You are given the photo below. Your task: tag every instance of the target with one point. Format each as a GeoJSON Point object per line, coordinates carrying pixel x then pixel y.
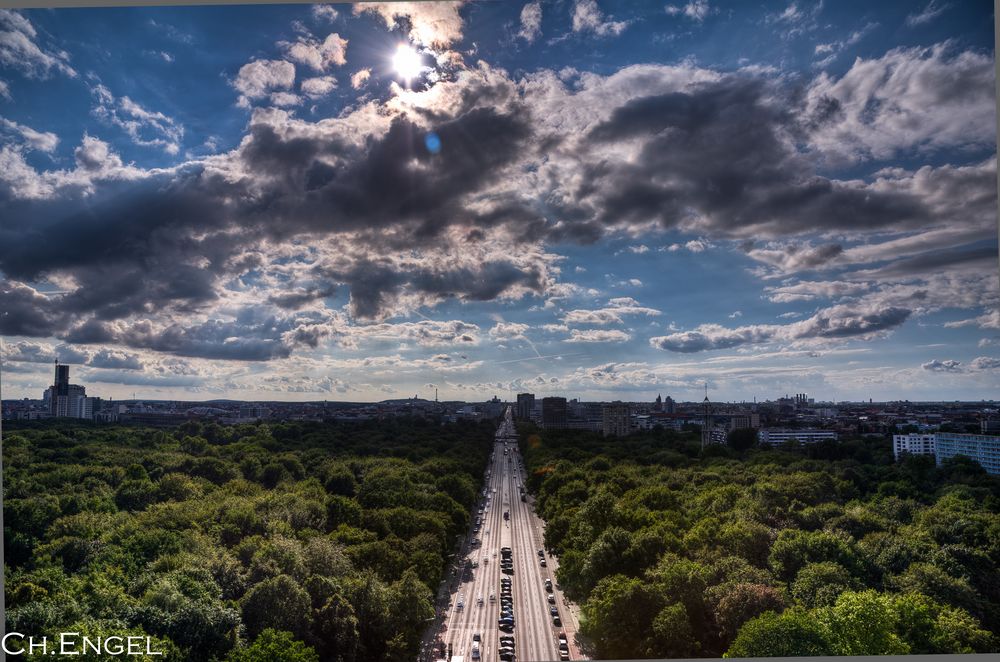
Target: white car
{"type": "Point", "coordinates": [461, 602]}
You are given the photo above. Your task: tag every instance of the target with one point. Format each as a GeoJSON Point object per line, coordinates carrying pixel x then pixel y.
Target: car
{"type": "Point", "coordinates": [543, 563]}
{"type": "Point", "coordinates": [475, 650]}
{"type": "Point", "coordinates": [506, 656]}
{"type": "Point", "coordinates": [556, 621]}
{"type": "Point", "coordinates": [477, 637]}
{"type": "Point", "coordinates": [553, 610]}
{"type": "Point", "coordinates": [479, 601]}
{"type": "Point", "coordinates": [548, 585]}
{"type": "Point", "coordinates": [493, 597]}
{"type": "Point", "coordinates": [551, 598]}
{"type": "Point", "coordinates": [475, 564]}
{"type": "Point", "coordinates": [563, 656]}
{"type": "Point", "coordinates": [541, 553]}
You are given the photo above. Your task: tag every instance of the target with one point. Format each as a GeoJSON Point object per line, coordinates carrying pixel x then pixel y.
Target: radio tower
{"type": "Point", "coordinates": [706, 424]}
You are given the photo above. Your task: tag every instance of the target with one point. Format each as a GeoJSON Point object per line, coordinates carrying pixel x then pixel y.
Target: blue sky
{"type": "Point", "coordinates": [623, 199]}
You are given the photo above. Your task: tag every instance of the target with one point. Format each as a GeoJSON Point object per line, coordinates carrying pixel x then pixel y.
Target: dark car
{"type": "Point", "coordinates": [556, 621]}
{"type": "Point", "coordinates": [553, 610]}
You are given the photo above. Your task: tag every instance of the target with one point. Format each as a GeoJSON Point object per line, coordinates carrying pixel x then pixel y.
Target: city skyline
{"type": "Point", "coordinates": [367, 202]}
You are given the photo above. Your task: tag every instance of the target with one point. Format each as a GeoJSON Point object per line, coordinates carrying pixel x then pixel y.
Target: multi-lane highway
{"type": "Point", "coordinates": [477, 602]}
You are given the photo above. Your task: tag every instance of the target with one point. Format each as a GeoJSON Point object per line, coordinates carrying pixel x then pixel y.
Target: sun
{"type": "Point", "coordinates": [407, 62]}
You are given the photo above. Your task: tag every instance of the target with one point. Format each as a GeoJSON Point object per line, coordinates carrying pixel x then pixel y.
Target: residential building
{"type": "Point", "coordinates": [982, 448]}
{"type": "Point", "coordinates": [914, 444]}
{"type": "Point", "coordinates": [777, 436]}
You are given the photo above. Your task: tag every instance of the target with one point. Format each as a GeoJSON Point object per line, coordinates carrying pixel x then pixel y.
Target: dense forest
{"type": "Point", "coordinates": [826, 549]}
{"type": "Point", "coordinates": [253, 543]}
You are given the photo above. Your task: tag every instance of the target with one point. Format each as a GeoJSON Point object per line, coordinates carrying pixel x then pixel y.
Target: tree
{"type": "Point", "coordinates": [618, 616]}
{"type": "Point", "coordinates": [794, 548]}
{"type": "Point", "coordinates": [742, 438]}
{"type": "Point", "coordinates": [672, 634]}
{"type": "Point", "coordinates": [791, 633]}
{"type": "Point", "coordinates": [862, 624]}
{"type": "Point", "coordinates": [735, 604]}
{"type": "Point", "coordinates": [278, 603]}
{"type": "Point", "coordinates": [275, 646]}
{"type": "Point", "coordinates": [930, 627]}
{"type": "Point", "coordinates": [819, 584]}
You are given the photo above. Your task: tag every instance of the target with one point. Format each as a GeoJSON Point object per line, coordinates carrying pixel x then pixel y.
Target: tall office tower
{"type": "Point", "coordinates": [58, 402]}
{"type": "Point", "coordinates": [525, 403]}
{"type": "Point", "coordinates": [554, 416]}
{"type": "Point", "coordinates": [669, 406]}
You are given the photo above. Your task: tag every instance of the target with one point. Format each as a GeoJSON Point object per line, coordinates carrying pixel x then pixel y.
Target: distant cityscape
{"type": "Point", "coordinates": [942, 429]}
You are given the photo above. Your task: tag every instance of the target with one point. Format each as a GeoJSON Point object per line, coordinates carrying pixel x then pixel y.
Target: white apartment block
{"type": "Point", "coordinates": [982, 448]}
{"type": "Point", "coordinates": [914, 444]}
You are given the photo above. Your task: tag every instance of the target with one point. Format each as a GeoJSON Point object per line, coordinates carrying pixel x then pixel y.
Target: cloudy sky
{"type": "Point", "coordinates": [582, 197]}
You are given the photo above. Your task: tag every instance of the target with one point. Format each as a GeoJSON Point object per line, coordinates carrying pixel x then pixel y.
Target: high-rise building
{"type": "Point", "coordinates": [525, 403]}
{"type": "Point", "coordinates": [60, 390]}
{"type": "Point", "coordinates": [68, 400]}
{"type": "Point", "coordinates": [554, 413]}
{"type": "Point", "coordinates": [669, 406]}
{"type": "Point", "coordinates": [658, 405]}
{"type": "Point", "coordinates": [616, 419]}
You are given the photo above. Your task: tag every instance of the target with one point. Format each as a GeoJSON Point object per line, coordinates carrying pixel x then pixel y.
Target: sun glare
{"type": "Point", "coordinates": [407, 62]}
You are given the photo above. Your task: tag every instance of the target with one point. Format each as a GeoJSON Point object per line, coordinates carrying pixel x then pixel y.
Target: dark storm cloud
{"type": "Point", "coordinates": [724, 152]}
{"type": "Point", "coordinates": [165, 243]}
{"type": "Point", "coordinates": [141, 255]}
{"type": "Point", "coordinates": [935, 262]}
{"type": "Point", "coordinates": [302, 296]}
{"type": "Point", "coordinates": [25, 312]}
{"type": "Point", "coordinates": [115, 360]}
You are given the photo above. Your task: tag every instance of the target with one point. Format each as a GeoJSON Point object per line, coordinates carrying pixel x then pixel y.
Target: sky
{"type": "Point", "coordinates": [594, 199]}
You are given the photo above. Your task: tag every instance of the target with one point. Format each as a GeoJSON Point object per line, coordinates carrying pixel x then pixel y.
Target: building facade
{"type": "Point", "coordinates": [982, 448]}
{"type": "Point", "coordinates": [914, 444]}
{"type": "Point", "coordinates": [554, 413]}
{"type": "Point", "coordinates": [776, 436]}
{"type": "Point", "coordinates": [617, 419]}
{"type": "Point", "coordinates": [525, 405]}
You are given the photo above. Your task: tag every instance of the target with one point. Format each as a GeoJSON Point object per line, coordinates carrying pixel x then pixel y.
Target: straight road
{"type": "Point", "coordinates": [535, 635]}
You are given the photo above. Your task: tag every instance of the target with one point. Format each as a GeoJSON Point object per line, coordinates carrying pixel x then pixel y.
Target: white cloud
{"type": "Point", "coordinates": [359, 78]}
{"type": "Point", "coordinates": [5, 90]}
{"type": "Point", "coordinates": [509, 331]}
{"type": "Point", "coordinates": [146, 128]}
{"type": "Point", "coordinates": [43, 141]}
{"type": "Point", "coordinates": [285, 99]}
{"type": "Point", "coordinates": [922, 99]}
{"type": "Point", "coordinates": [832, 324]}
{"type": "Point", "coordinates": [324, 13]}
{"type": "Point", "coordinates": [696, 10]}
{"type": "Point", "coordinates": [597, 335]}
{"type": "Point", "coordinates": [258, 78]}
{"type": "Point", "coordinates": [319, 86]}
{"type": "Point", "coordinates": [990, 320]}
{"type": "Point", "coordinates": [19, 50]}
{"type": "Point", "coordinates": [316, 54]}
{"type": "Point", "coordinates": [436, 24]}
{"type": "Point", "coordinates": [531, 21]}
{"type": "Point", "coordinates": [588, 17]}
{"type": "Point", "coordinates": [928, 14]}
